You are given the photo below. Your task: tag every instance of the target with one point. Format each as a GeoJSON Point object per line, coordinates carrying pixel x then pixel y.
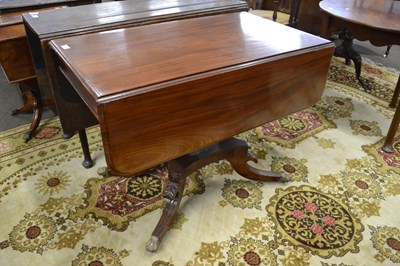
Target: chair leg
{"type": "Point", "coordinates": [387, 51]}
{"type": "Point", "coordinates": [87, 161]}
{"type": "Point", "coordinates": [395, 97]}
{"type": "Point", "coordinates": [394, 125]}
{"type": "Point", "coordinates": [276, 7]}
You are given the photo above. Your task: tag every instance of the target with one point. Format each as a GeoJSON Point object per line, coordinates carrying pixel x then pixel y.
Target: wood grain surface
{"type": "Point", "coordinates": [161, 91]}
{"type": "Point", "coordinates": [374, 20]}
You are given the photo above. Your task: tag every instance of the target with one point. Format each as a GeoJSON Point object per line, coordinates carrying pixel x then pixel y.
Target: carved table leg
{"type": "Point", "coordinates": [396, 94]}
{"type": "Point", "coordinates": [30, 89]}
{"type": "Point", "coordinates": [347, 52]}
{"type": "Point", "coordinates": [28, 106]}
{"type": "Point", "coordinates": [37, 115]}
{"type": "Point", "coordinates": [87, 162]}
{"type": "Point", "coordinates": [388, 145]}
{"type": "Point", "coordinates": [173, 194]}
{"type": "Point", "coordinates": [234, 150]}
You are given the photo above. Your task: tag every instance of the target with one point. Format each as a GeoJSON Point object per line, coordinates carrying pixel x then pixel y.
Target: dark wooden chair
{"type": "Point", "coordinates": [281, 11]}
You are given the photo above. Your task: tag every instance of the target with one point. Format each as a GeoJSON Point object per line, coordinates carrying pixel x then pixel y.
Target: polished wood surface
{"type": "Point", "coordinates": [10, 6]}
{"type": "Point", "coordinates": [161, 91]}
{"type": "Point", "coordinates": [99, 17]}
{"type": "Point", "coordinates": [374, 20]}
{"type": "Point", "coordinates": [15, 57]}
{"type": "Point", "coordinates": [25, 3]}
{"type": "Point", "coordinates": [10, 19]}
{"type": "Point", "coordinates": [123, 13]}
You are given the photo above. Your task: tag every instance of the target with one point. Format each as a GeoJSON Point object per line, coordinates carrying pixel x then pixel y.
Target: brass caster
{"type": "Point", "coordinates": [388, 148]}
{"type": "Point", "coordinates": [285, 178]}
{"type": "Point", "coordinates": [26, 137]}
{"type": "Point", "coordinates": [152, 244]}
{"type": "Point", "coordinates": [103, 172]}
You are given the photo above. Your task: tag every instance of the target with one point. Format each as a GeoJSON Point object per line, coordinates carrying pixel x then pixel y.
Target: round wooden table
{"type": "Point", "coordinates": [377, 21]}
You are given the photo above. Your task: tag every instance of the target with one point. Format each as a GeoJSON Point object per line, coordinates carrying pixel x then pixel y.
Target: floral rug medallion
{"type": "Point", "coordinates": [118, 200]}
{"type": "Point", "coordinates": [386, 241]}
{"type": "Point", "coordinates": [319, 222]}
{"type": "Point", "coordinates": [291, 129]}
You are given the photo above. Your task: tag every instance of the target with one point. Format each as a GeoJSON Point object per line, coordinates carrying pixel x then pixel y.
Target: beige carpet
{"type": "Point", "coordinates": [342, 207]}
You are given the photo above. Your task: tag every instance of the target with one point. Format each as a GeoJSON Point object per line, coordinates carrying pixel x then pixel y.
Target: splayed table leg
{"type": "Point", "coordinates": [388, 145]}
{"type": "Point", "coordinates": [234, 150]}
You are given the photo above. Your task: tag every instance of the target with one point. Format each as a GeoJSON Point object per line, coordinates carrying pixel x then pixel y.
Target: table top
{"type": "Point", "coordinates": [160, 91]}
{"type": "Point", "coordinates": [10, 19]}
{"type": "Point", "coordinates": [379, 14]}
{"type": "Point", "coordinates": [120, 13]}
{"type": "Point", "coordinates": [16, 17]}
{"type": "Point", "coordinates": [8, 4]}
{"type": "Point", "coordinates": [162, 52]}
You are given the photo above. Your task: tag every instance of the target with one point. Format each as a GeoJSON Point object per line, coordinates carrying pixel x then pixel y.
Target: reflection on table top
{"type": "Point", "coordinates": [380, 14]}
{"type": "Point", "coordinates": [26, 3]}
{"type": "Point", "coordinates": [119, 13]}
{"type": "Point", "coordinates": [170, 53]}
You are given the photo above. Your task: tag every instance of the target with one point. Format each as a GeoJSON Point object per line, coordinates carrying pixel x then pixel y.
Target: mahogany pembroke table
{"type": "Point", "coordinates": [177, 92]}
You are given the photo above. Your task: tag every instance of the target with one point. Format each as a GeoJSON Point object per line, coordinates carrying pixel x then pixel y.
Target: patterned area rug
{"type": "Point", "coordinates": [341, 208]}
